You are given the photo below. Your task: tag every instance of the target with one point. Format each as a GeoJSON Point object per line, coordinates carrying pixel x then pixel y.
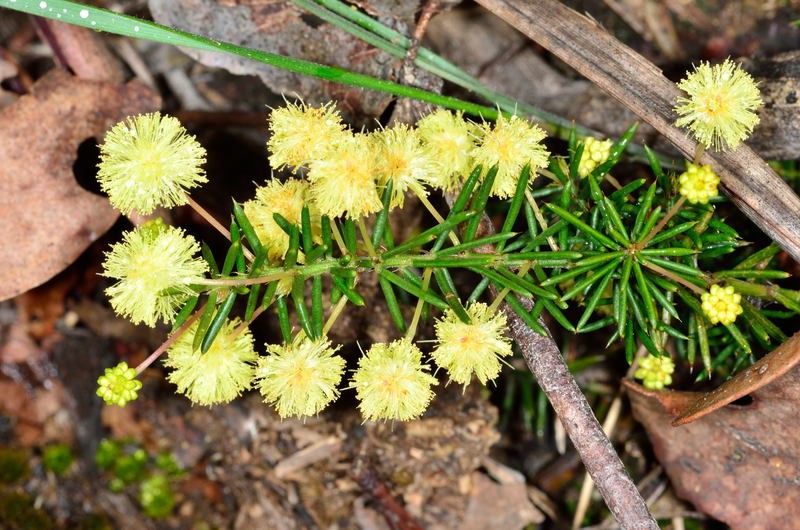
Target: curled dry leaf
{"type": "Point", "coordinates": [46, 218]}
{"type": "Point", "coordinates": [739, 464]}
{"type": "Point", "coordinates": [767, 369]}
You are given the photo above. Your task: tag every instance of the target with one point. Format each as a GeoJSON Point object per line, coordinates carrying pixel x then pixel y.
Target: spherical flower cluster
{"type": "Point", "coordinates": [391, 382]}
{"type": "Point", "coordinates": [698, 184]}
{"type": "Point", "coordinates": [400, 157]}
{"type": "Point", "coordinates": [344, 183]}
{"type": "Point", "coordinates": [595, 152]}
{"type": "Point", "coordinates": [155, 267]}
{"type": "Point", "coordinates": [721, 304]}
{"type": "Point", "coordinates": [448, 140]}
{"type": "Point", "coordinates": [287, 199]}
{"type": "Point", "coordinates": [149, 161]}
{"type": "Point", "coordinates": [655, 372]}
{"type": "Point", "coordinates": [300, 379]}
{"type": "Point", "coordinates": [721, 106]}
{"type": "Point", "coordinates": [118, 385]}
{"type": "Point", "coordinates": [300, 134]}
{"type": "Point", "coordinates": [474, 348]}
{"type": "Point", "coordinates": [510, 144]}
{"type": "Point", "coordinates": [220, 374]}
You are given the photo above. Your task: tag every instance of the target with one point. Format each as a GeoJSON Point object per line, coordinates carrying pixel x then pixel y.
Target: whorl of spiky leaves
{"type": "Point", "coordinates": [720, 104]}
{"type": "Point", "coordinates": [698, 184]}
{"type": "Point", "coordinates": [595, 152]}
{"type": "Point", "coordinates": [510, 144]}
{"type": "Point", "coordinates": [721, 304]}
{"type": "Point", "coordinates": [655, 372]}
{"type": "Point", "coordinates": [220, 374]}
{"type": "Point", "coordinates": [155, 266]}
{"type": "Point", "coordinates": [343, 181]}
{"type": "Point", "coordinates": [300, 134]}
{"type": "Point", "coordinates": [401, 157]}
{"type": "Point", "coordinates": [448, 139]}
{"type": "Point", "coordinates": [149, 161]}
{"type": "Point", "coordinates": [287, 199]}
{"type": "Point", "coordinates": [471, 349]}
{"type": "Point", "coordinates": [118, 385]}
{"type": "Point", "coordinates": [300, 379]}
{"type": "Point", "coordinates": [392, 383]}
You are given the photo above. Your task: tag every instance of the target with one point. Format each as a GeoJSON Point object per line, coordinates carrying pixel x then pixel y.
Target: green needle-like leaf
{"type": "Point", "coordinates": [205, 320]}
{"type": "Point", "coordinates": [217, 322]}
{"type": "Point", "coordinates": [391, 303]}
{"type": "Point", "coordinates": [410, 288]}
{"type": "Point", "coordinates": [247, 228]}
{"type": "Point", "coordinates": [184, 313]}
{"type": "Point", "coordinates": [593, 234]}
{"type": "Point", "coordinates": [283, 319]}
{"type": "Point", "coordinates": [591, 305]}
{"type": "Point", "coordinates": [591, 279]}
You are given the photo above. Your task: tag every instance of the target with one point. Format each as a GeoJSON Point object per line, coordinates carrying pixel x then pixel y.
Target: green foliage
{"type": "Point", "coordinates": [13, 465]}
{"type": "Point", "coordinates": [152, 476]}
{"type": "Point", "coordinates": [156, 496]}
{"type": "Point", "coordinates": [17, 512]}
{"type": "Point", "coordinates": [57, 458]}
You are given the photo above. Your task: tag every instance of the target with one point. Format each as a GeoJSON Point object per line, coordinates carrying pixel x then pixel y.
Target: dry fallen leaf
{"type": "Point", "coordinates": [739, 464]}
{"type": "Point", "coordinates": [46, 218]}
{"type": "Point", "coordinates": [764, 371]}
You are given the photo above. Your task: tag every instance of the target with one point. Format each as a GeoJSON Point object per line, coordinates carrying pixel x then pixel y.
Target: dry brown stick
{"type": "Point", "coordinates": [602, 463]}
{"type": "Point", "coordinates": [750, 183]}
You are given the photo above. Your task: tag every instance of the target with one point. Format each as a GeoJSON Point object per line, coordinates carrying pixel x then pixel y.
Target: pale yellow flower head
{"type": "Point", "coordinates": [720, 105]}
{"type": "Point", "coordinates": [391, 382]}
{"type": "Point", "coordinates": [343, 183]}
{"type": "Point", "coordinates": [220, 374]}
{"type": "Point", "coordinates": [155, 266]}
{"type": "Point", "coordinates": [300, 379]}
{"type": "Point", "coordinates": [300, 134]}
{"type": "Point", "coordinates": [655, 372]}
{"type": "Point", "coordinates": [287, 199]}
{"type": "Point", "coordinates": [698, 184]}
{"type": "Point", "coordinates": [721, 304]}
{"type": "Point", "coordinates": [448, 140]}
{"type": "Point", "coordinates": [595, 152]}
{"type": "Point", "coordinates": [471, 349]}
{"type": "Point", "coordinates": [401, 158]}
{"type": "Point", "coordinates": [149, 161]}
{"type": "Point", "coordinates": [510, 144]}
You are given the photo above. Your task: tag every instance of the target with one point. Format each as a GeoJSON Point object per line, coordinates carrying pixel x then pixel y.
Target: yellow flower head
{"type": "Point", "coordinates": [287, 199]}
{"type": "Point", "coordinates": [118, 385]}
{"type": "Point", "coordinates": [721, 304]}
{"type": "Point", "coordinates": [595, 152]}
{"type": "Point", "coordinates": [155, 267]}
{"type": "Point", "coordinates": [149, 161]}
{"type": "Point", "coordinates": [343, 182]}
{"type": "Point", "coordinates": [721, 106]}
{"type": "Point", "coordinates": [391, 382]}
{"type": "Point", "coordinates": [220, 374]}
{"type": "Point", "coordinates": [300, 134]}
{"type": "Point", "coordinates": [698, 184]}
{"type": "Point", "coordinates": [448, 140]}
{"type": "Point", "coordinates": [401, 158]}
{"type": "Point", "coordinates": [300, 379]}
{"type": "Point", "coordinates": [474, 348]}
{"type": "Point", "coordinates": [655, 372]}
{"type": "Point", "coordinates": [510, 145]}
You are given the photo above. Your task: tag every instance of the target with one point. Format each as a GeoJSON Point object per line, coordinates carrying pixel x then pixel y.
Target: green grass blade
{"type": "Point", "coordinates": [101, 19]}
